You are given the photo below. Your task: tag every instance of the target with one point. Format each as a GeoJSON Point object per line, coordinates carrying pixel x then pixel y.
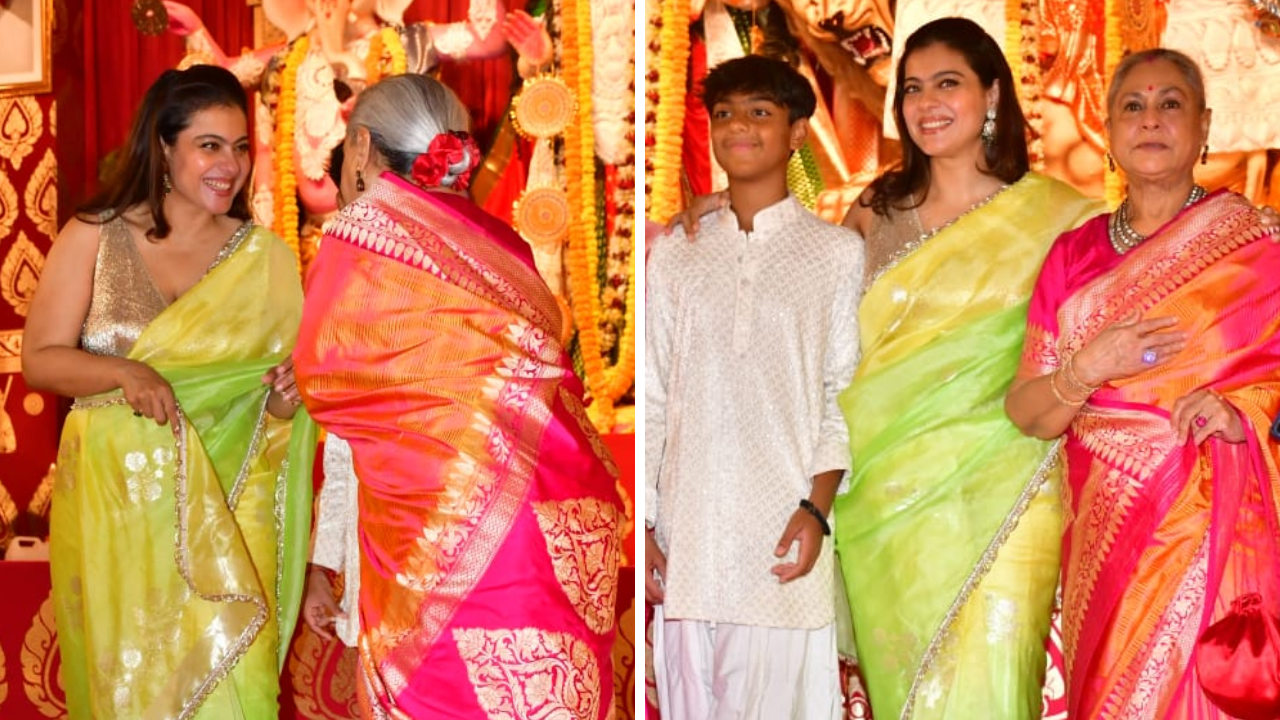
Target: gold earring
{"type": "Point", "coordinates": [359, 182]}
{"type": "Point", "coordinates": [1111, 163]}
{"type": "Point", "coordinates": [164, 181]}
{"type": "Point", "coordinates": [1204, 155]}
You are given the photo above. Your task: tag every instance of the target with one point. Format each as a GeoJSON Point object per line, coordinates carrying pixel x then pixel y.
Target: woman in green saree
{"type": "Point", "coordinates": [181, 508]}
{"type": "Point", "coordinates": [948, 535]}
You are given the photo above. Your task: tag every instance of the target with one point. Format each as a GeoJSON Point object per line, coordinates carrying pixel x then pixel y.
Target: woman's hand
{"type": "Point", "coordinates": [1204, 414]}
{"type": "Point", "coordinates": [1127, 348]}
{"type": "Point", "coordinates": [183, 21]}
{"type": "Point", "coordinates": [319, 610]}
{"type": "Point", "coordinates": [528, 37]}
{"type": "Point", "coordinates": [147, 392]}
{"type": "Point", "coordinates": [701, 205]}
{"type": "Point", "coordinates": [285, 397]}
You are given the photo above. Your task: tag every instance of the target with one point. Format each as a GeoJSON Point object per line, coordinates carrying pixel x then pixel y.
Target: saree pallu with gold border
{"type": "Point", "coordinates": [1161, 536]}
{"type": "Point", "coordinates": [488, 515]}
{"type": "Point", "coordinates": [177, 557]}
{"type": "Point", "coordinates": [948, 536]}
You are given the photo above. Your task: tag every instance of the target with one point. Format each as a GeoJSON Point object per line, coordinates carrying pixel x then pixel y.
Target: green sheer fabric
{"type": "Point", "coordinates": [948, 537]}
{"type": "Point", "coordinates": [178, 552]}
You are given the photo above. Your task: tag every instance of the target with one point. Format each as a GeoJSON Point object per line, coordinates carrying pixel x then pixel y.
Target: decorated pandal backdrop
{"type": "Point", "coordinates": [1061, 52]}
{"type": "Point", "coordinates": [559, 165]}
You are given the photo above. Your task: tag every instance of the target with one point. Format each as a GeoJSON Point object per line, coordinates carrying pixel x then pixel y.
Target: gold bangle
{"type": "Point", "coordinates": [1053, 385]}
{"type": "Point", "coordinates": [1073, 380]}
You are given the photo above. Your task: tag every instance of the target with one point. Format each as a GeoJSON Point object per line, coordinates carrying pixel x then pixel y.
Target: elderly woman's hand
{"type": "Point", "coordinates": [1204, 414]}
{"type": "Point", "coordinates": [701, 205]}
{"type": "Point", "coordinates": [1270, 220]}
{"type": "Point", "coordinates": [1127, 348]}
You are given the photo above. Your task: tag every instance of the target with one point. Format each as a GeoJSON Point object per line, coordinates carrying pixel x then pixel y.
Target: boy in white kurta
{"type": "Point", "coordinates": [750, 334]}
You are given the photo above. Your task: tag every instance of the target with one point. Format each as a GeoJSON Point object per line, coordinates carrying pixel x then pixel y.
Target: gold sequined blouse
{"type": "Point", "coordinates": [125, 298]}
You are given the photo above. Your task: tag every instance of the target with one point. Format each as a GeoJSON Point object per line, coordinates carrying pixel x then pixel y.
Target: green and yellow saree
{"type": "Point", "coordinates": [177, 551]}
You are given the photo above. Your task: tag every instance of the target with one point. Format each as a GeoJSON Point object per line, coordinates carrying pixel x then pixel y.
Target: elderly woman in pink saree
{"type": "Point", "coordinates": [488, 516]}
{"type": "Point", "coordinates": [1152, 347]}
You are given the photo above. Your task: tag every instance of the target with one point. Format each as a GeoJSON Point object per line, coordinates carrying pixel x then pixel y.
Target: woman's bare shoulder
{"type": "Point", "coordinates": [860, 214]}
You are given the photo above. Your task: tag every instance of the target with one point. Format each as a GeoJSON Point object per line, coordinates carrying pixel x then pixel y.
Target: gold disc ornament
{"type": "Point", "coordinates": [543, 108]}
{"type": "Point", "coordinates": [541, 215]}
{"type": "Point", "coordinates": [150, 17]}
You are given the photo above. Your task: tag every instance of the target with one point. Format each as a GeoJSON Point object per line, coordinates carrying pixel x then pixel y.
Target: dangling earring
{"type": "Point", "coordinates": [359, 182]}
{"type": "Point", "coordinates": [988, 133]}
{"type": "Point", "coordinates": [164, 182]}
{"type": "Point", "coordinates": [1111, 163]}
{"type": "Point", "coordinates": [1204, 155]}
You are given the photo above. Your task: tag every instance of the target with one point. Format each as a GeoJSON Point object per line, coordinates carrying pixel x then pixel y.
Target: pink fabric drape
{"type": "Point", "coordinates": [1161, 536]}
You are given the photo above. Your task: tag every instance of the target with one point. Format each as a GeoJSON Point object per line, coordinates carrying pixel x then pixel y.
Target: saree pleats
{"type": "Point", "coordinates": [948, 535]}
{"type": "Point", "coordinates": [488, 511]}
{"type": "Point", "coordinates": [168, 548]}
{"type": "Point", "coordinates": [1162, 536]}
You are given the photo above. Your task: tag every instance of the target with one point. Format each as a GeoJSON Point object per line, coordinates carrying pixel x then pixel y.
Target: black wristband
{"type": "Point", "coordinates": [813, 510]}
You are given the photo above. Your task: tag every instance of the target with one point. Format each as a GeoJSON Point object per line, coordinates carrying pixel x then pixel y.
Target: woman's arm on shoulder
{"type": "Point", "coordinates": [51, 356]}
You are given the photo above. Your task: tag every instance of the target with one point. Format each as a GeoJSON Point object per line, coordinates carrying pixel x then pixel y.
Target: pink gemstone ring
{"type": "Point", "coordinates": [1201, 421]}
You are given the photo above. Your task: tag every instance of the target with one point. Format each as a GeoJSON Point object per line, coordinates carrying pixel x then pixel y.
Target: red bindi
{"type": "Point", "coordinates": [1150, 88]}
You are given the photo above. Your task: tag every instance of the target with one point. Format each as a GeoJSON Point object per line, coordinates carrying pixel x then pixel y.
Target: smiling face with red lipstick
{"type": "Point", "coordinates": [944, 103]}
{"type": "Point", "coordinates": [209, 161]}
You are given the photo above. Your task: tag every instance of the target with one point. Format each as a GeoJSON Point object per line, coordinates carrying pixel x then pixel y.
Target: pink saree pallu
{"type": "Point", "coordinates": [1163, 537]}
{"type": "Point", "coordinates": [488, 515]}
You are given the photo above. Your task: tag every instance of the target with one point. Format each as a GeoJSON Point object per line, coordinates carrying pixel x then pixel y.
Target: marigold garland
{"type": "Point", "coordinates": [286, 181]}
{"type": "Point", "coordinates": [1114, 22]}
{"type": "Point", "coordinates": [1022, 41]}
{"type": "Point", "coordinates": [383, 46]}
{"type": "Point", "coordinates": [652, 53]}
{"type": "Point", "coordinates": [582, 254]}
{"type": "Point", "coordinates": [673, 68]}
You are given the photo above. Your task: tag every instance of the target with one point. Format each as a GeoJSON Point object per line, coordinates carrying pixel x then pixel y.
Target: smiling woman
{"type": "Point", "coordinates": [170, 318]}
{"type": "Point", "coordinates": [948, 535]}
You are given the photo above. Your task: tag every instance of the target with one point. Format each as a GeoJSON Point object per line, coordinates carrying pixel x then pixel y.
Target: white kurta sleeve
{"type": "Point", "coordinates": [843, 352]}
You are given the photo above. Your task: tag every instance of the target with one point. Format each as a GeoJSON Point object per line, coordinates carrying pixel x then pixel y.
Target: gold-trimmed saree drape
{"type": "Point", "coordinates": [1161, 537]}
{"type": "Point", "coordinates": [177, 557]}
{"type": "Point", "coordinates": [488, 514]}
{"type": "Point", "coordinates": [948, 536]}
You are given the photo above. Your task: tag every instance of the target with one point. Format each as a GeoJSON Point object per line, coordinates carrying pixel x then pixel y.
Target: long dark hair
{"type": "Point", "coordinates": [166, 111]}
{"type": "Point", "coordinates": [1006, 158]}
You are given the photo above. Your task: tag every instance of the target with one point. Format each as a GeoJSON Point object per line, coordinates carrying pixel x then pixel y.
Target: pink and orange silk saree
{"type": "Point", "coordinates": [1161, 537]}
{"type": "Point", "coordinates": [488, 515]}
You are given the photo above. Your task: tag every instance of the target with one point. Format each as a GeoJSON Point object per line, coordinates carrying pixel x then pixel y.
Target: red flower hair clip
{"type": "Point", "coordinates": [446, 150]}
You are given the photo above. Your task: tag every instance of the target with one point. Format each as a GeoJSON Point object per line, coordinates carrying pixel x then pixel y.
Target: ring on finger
{"type": "Point", "coordinates": [1201, 421]}
{"type": "Point", "coordinates": [1149, 356]}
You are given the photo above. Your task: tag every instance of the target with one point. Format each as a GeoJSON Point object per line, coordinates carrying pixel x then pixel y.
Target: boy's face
{"type": "Point", "coordinates": [753, 136]}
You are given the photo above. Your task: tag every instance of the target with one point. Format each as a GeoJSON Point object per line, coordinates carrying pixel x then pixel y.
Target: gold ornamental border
{"type": "Point", "coordinates": [543, 108]}
{"type": "Point", "coordinates": [541, 215]}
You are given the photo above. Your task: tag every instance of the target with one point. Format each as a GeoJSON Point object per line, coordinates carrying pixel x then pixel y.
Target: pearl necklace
{"type": "Point", "coordinates": [1123, 237]}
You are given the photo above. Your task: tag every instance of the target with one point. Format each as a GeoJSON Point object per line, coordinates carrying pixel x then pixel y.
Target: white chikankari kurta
{"type": "Point", "coordinates": [749, 338]}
